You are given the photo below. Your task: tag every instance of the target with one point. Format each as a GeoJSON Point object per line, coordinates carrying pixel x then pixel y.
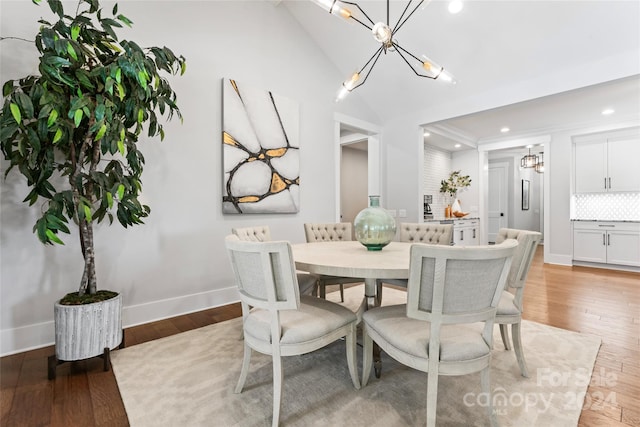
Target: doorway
{"type": "Point", "coordinates": [532, 217]}
{"type": "Point", "coordinates": [358, 166]}
{"type": "Point", "coordinates": [353, 177]}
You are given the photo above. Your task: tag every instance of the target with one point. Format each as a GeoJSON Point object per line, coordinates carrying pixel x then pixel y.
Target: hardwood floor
{"type": "Point", "coordinates": [594, 301]}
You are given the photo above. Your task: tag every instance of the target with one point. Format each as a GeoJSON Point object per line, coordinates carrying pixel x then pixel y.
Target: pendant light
{"type": "Point", "coordinates": [529, 161]}
{"type": "Point", "coordinates": [540, 164]}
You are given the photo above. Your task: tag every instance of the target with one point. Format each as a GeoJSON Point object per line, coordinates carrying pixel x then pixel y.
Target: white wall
{"type": "Point", "coordinates": [176, 263]}
{"type": "Point", "coordinates": [437, 166]}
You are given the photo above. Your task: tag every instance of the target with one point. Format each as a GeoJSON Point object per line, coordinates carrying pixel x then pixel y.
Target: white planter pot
{"type": "Point", "coordinates": [84, 331]}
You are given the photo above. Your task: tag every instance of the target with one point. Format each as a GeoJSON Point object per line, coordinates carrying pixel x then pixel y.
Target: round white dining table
{"type": "Point", "coordinates": [352, 259]}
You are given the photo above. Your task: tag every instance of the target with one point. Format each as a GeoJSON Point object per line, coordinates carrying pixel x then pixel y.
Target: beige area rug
{"type": "Point", "coordinates": [188, 379]}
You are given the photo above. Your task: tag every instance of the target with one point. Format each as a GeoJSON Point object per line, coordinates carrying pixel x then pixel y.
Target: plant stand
{"type": "Point", "coordinates": [86, 331]}
{"type": "Point", "coordinates": [53, 362]}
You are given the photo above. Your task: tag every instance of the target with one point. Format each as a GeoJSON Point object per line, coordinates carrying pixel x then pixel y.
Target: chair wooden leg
{"type": "Point", "coordinates": [517, 346]}
{"type": "Point", "coordinates": [245, 368]}
{"type": "Point", "coordinates": [432, 397]}
{"type": "Point", "coordinates": [351, 356]}
{"type": "Point", "coordinates": [504, 333]}
{"type": "Point", "coordinates": [277, 389]}
{"type": "Point", "coordinates": [367, 355]}
{"type": "Point", "coordinates": [485, 380]}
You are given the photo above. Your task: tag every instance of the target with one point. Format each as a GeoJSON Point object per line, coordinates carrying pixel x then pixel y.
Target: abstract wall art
{"type": "Point", "coordinates": [261, 151]}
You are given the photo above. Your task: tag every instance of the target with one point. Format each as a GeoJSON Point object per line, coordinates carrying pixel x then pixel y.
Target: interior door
{"type": "Point", "coordinates": [498, 199]}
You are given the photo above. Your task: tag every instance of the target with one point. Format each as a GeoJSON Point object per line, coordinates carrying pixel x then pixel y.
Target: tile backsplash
{"type": "Point", "coordinates": [606, 207]}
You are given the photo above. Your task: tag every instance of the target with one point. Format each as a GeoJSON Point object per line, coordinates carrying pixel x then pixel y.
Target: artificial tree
{"type": "Point", "coordinates": [72, 131]}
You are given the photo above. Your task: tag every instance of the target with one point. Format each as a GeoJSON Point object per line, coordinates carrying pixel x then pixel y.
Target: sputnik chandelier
{"type": "Point", "coordinates": [385, 35]}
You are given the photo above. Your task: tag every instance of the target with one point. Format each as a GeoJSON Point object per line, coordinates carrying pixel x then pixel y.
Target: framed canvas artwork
{"type": "Point", "coordinates": [525, 195]}
{"type": "Point", "coordinates": [261, 151]}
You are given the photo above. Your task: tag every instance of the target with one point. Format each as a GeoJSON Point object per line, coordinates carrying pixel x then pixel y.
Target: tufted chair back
{"type": "Point", "coordinates": [328, 232]}
{"type": "Point", "coordinates": [260, 233]}
{"type": "Point", "coordinates": [433, 234]}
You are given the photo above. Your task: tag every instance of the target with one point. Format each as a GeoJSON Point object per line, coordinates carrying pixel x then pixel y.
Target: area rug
{"type": "Point", "coordinates": [188, 380]}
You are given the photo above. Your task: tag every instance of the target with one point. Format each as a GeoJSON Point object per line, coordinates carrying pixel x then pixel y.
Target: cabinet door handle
{"type": "Point", "coordinates": [461, 234]}
{"type": "Point", "coordinates": [604, 240]}
{"type": "Point", "coordinates": [609, 183]}
{"type": "Point", "coordinates": [474, 233]}
{"type": "Point", "coordinates": [605, 182]}
{"type": "Point", "coordinates": [608, 239]}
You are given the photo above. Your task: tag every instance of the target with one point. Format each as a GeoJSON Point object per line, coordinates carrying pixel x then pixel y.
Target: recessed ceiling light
{"type": "Point", "coordinates": [455, 6]}
{"type": "Point", "coordinates": [427, 134]}
{"type": "Point", "coordinates": [505, 129]}
{"type": "Point", "coordinates": [457, 145]}
{"type": "Point", "coordinates": [608, 111]}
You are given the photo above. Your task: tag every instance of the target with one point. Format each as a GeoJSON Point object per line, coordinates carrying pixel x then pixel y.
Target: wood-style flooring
{"type": "Point", "coordinates": [595, 301]}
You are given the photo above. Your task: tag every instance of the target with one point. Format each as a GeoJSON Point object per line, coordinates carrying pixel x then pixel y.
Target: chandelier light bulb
{"type": "Point", "coordinates": [351, 82]}
{"type": "Point", "coordinates": [347, 86]}
{"type": "Point", "coordinates": [335, 7]}
{"type": "Point", "coordinates": [435, 71]}
{"type": "Point", "coordinates": [447, 77]}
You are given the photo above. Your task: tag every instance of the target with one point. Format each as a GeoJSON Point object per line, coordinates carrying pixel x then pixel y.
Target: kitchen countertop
{"type": "Point", "coordinates": [450, 220]}
{"type": "Point", "coordinates": [605, 220]}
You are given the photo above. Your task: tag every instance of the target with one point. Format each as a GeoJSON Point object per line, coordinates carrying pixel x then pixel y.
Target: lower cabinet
{"type": "Point", "coordinates": [466, 232]}
{"type": "Point", "coordinates": [607, 242]}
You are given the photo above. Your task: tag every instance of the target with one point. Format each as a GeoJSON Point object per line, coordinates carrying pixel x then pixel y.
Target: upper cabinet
{"type": "Point", "coordinates": [607, 162]}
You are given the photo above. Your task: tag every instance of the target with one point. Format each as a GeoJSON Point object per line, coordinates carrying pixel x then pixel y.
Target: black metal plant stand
{"type": "Point", "coordinates": [53, 362]}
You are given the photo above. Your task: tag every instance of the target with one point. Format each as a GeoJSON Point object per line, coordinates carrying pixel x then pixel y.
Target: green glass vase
{"type": "Point", "coordinates": [374, 226]}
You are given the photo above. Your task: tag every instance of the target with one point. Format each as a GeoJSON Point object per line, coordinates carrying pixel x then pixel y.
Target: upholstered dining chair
{"type": "Point", "coordinates": [429, 233]}
{"type": "Point", "coordinates": [329, 232]}
{"type": "Point", "coordinates": [308, 282]}
{"type": "Point", "coordinates": [510, 306]}
{"type": "Point", "coordinates": [276, 319]}
{"type": "Point", "coordinates": [449, 289]}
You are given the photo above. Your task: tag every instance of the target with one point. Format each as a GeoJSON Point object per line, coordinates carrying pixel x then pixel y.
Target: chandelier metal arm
{"type": "Point", "coordinates": [398, 51]}
{"type": "Point", "coordinates": [400, 24]}
{"type": "Point", "coordinates": [363, 12]}
{"type": "Point", "coordinates": [376, 55]}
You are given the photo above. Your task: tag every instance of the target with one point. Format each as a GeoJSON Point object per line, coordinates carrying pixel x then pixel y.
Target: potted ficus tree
{"type": "Point", "coordinates": [72, 132]}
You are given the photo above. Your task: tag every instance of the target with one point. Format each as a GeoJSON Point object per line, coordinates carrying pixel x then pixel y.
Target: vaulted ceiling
{"type": "Point", "coordinates": [501, 52]}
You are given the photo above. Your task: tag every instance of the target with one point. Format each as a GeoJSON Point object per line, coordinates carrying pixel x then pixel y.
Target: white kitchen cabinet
{"type": "Point", "coordinates": [607, 242]}
{"type": "Point", "coordinates": [466, 232]}
{"type": "Point", "coordinates": [607, 162]}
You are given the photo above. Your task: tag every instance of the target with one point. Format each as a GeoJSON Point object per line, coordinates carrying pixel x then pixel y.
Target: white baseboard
{"type": "Point", "coordinates": [607, 266]}
{"type": "Point", "coordinates": [40, 335]}
{"type": "Point", "coordinates": [558, 259]}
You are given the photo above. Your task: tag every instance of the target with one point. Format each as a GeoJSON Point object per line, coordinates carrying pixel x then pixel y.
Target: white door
{"type": "Point", "coordinates": [498, 198]}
